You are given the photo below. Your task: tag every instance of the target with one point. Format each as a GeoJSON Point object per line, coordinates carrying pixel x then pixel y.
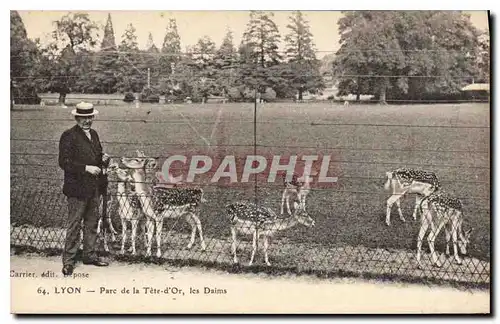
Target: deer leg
{"type": "Point", "coordinates": [134, 234]}
{"type": "Point", "coordinates": [150, 228]}
{"type": "Point", "coordinates": [144, 232]}
{"type": "Point", "coordinates": [105, 240]}
{"type": "Point", "coordinates": [254, 247]}
{"type": "Point", "coordinates": [303, 201]}
{"type": "Point", "coordinates": [111, 229]}
{"type": "Point", "coordinates": [431, 239]}
{"type": "Point", "coordinates": [266, 245]}
{"type": "Point", "coordinates": [287, 199]}
{"type": "Point", "coordinates": [421, 234]}
{"type": "Point", "coordinates": [454, 231]}
{"type": "Point", "coordinates": [190, 220]}
{"type": "Point", "coordinates": [159, 230]}
{"type": "Point", "coordinates": [233, 245]}
{"type": "Point", "coordinates": [283, 197]}
{"type": "Point", "coordinates": [447, 233]}
{"type": "Point", "coordinates": [200, 231]}
{"type": "Point", "coordinates": [392, 199]}
{"type": "Point", "coordinates": [107, 219]}
{"type": "Point", "coordinates": [417, 204]}
{"type": "Point", "coordinates": [398, 204]}
{"type": "Point", "coordinates": [124, 235]}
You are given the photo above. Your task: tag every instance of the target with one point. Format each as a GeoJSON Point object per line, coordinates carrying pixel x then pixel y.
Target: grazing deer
{"type": "Point", "coordinates": [248, 218]}
{"type": "Point", "coordinates": [297, 189]}
{"type": "Point", "coordinates": [130, 209]}
{"type": "Point", "coordinates": [402, 181]}
{"type": "Point", "coordinates": [160, 203]}
{"type": "Point", "coordinates": [442, 210]}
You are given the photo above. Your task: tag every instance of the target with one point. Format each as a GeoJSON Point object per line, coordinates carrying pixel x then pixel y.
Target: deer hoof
{"type": "Point", "coordinates": [203, 247]}
{"type": "Point", "coordinates": [438, 264]}
{"type": "Point", "coordinates": [458, 261]}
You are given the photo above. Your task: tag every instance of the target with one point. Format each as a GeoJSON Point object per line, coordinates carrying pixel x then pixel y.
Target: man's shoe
{"type": "Point", "coordinates": [67, 270]}
{"type": "Point", "coordinates": [96, 262]}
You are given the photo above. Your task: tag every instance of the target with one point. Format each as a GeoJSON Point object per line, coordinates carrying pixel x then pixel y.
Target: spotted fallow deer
{"type": "Point", "coordinates": [440, 210]}
{"type": "Point", "coordinates": [407, 181]}
{"type": "Point", "coordinates": [251, 219]}
{"type": "Point", "coordinates": [161, 203]}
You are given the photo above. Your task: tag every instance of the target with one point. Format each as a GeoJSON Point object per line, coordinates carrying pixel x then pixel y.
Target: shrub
{"type": "Point", "coordinates": [269, 95]}
{"type": "Point", "coordinates": [153, 98]}
{"type": "Point", "coordinates": [129, 97]}
{"type": "Point", "coordinates": [234, 93]}
{"type": "Point", "coordinates": [147, 95]}
{"type": "Point", "coordinates": [249, 94]}
{"type": "Point", "coordinates": [25, 95]}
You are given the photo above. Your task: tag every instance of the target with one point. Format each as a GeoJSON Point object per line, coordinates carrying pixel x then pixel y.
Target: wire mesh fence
{"type": "Point", "coordinates": [214, 225]}
{"type": "Point", "coordinates": [350, 235]}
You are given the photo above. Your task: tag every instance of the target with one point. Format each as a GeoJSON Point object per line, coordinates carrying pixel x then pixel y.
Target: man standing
{"type": "Point", "coordinates": [82, 159]}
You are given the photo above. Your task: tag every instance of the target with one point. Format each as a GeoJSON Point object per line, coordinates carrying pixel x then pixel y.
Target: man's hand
{"type": "Point", "coordinates": [92, 169]}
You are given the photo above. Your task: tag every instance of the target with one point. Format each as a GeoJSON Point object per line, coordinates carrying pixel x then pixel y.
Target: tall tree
{"type": "Point", "coordinates": [203, 66]}
{"type": "Point", "coordinates": [403, 51]}
{"type": "Point", "coordinates": [24, 61]}
{"type": "Point", "coordinates": [131, 77]}
{"type": "Point", "coordinates": [106, 71]}
{"type": "Point", "coordinates": [171, 49]}
{"type": "Point", "coordinates": [259, 51]}
{"type": "Point", "coordinates": [150, 60]}
{"type": "Point", "coordinates": [301, 55]}
{"type": "Point", "coordinates": [76, 32]}
{"type": "Point", "coordinates": [483, 59]}
{"type": "Point", "coordinates": [225, 62]}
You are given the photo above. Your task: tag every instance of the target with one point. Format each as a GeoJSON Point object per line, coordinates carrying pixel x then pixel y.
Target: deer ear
{"type": "Point", "coordinates": [469, 231]}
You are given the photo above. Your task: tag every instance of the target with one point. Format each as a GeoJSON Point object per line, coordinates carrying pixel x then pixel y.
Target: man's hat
{"type": "Point", "coordinates": [84, 109]}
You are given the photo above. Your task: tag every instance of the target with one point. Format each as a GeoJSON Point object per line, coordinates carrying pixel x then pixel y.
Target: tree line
{"type": "Point", "coordinates": [392, 54]}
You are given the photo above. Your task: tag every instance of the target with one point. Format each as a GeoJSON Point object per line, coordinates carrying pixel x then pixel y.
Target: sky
{"type": "Point", "coordinates": [193, 25]}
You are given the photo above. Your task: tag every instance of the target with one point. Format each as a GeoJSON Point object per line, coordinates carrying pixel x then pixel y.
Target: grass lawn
{"type": "Point", "coordinates": [363, 141]}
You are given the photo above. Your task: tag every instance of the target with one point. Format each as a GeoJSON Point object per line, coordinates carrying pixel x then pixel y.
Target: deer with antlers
{"type": "Point", "coordinates": [440, 210]}
{"type": "Point", "coordinates": [251, 219]}
{"type": "Point", "coordinates": [164, 203]}
{"type": "Point", "coordinates": [407, 181]}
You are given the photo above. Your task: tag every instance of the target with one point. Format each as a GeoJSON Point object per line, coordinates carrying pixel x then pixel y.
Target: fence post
{"type": "Point", "coordinates": [137, 104]}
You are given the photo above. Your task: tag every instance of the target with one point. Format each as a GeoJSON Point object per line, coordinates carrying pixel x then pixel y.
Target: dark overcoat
{"type": "Point", "coordinates": [75, 152]}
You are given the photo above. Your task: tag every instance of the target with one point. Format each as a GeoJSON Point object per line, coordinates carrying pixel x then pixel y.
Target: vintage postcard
{"type": "Point", "coordinates": [250, 162]}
